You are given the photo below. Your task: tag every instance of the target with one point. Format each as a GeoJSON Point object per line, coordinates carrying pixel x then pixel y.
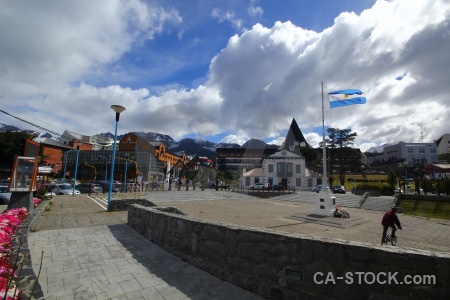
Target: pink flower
{"type": "Point", "coordinates": [9, 221]}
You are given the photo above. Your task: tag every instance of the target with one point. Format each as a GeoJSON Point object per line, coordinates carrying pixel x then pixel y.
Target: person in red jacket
{"type": "Point", "coordinates": [390, 219]}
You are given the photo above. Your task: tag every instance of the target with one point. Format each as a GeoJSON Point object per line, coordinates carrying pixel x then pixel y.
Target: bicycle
{"type": "Point", "coordinates": [390, 239]}
{"type": "Point", "coordinates": [340, 212]}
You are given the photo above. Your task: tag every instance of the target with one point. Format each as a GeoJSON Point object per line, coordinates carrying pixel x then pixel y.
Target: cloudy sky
{"type": "Point", "coordinates": [227, 70]}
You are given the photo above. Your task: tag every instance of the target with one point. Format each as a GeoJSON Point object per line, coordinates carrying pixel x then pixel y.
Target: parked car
{"type": "Point", "coordinates": [61, 180]}
{"type": "Point", "coordinates": [276, 187]}
{"type": "Point", "coordinates": [89, 187]}
{"type": "Point", "coordinates": [398, 191]}
{"type": "Point", "coordinates": [257, 186]}
{"type": "Point", "coordinates": [105, 186]}
{"type": "Point", "coordinates": [4, 194]}
{"type": "Point", "coordinates": [63, 189]}
{"type": "Point", "coordinates": [338, 189]}
{"type": "Point", "coordinates": [155, 185]}
{"type": "Point", "coordinates": [208, 185]}
{"type": "Point", "coordinates": [316, 188]}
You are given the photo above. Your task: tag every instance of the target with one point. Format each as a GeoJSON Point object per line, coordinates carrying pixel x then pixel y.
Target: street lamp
{"type": "Point", "coordinates": [106, 165]}
{"type": "Point", "coordinates": [75, 176]}
{"type": "Point", "coordinates": [65, 163]}
{"type": "Point", "coordinates": [125, 175]}
{"type": "Point", "coordinates": [93, 167]}
{"type": "Point", "coordinates": [117, 109]}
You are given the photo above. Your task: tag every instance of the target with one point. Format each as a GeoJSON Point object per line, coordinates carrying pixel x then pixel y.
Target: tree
{"type": "Point", "coordinates": [12, 144]}
{"type": "Point", "coordinates": [348, 157]}
{"type": "Point", "coordinates": [392, 180]}
{"type": "Point", "coordinates": [311, 155]}
{"type": "Point", "coordinates": [227, 176]}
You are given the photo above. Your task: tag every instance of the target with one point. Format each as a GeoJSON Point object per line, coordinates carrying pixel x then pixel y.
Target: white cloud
{"type": "Point", "coordinates": [313, 139]}
{"type": "Point", "coordinates": [278, 141]}
{"type": "Point", "coordinates": [254, 11]}
{"type": "Point", "coordinates": [256, 83]}
{"type": "Point", "coordinates": [228, 16]}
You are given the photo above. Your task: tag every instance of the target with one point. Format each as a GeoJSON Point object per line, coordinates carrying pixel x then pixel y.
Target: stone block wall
{"type": "Point", "coordinates": [287, 266]}
{"type": "Point", "coordinates": [122, 204]}
{"type": "Point", "coordinates": [372, 193]}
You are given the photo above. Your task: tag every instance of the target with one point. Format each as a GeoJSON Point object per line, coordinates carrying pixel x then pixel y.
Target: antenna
{"type": "Point", "coordinates": [422, 134]}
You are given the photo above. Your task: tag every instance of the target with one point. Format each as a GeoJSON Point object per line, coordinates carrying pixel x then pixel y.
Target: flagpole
{"type": "Point", "coordinates": [325, 202]}
{"type": "Point", "coordinates": [324, 149]}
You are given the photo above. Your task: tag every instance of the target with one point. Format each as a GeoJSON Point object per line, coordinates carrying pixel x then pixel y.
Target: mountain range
{"type": "Point", "coordinates": [190, 146]}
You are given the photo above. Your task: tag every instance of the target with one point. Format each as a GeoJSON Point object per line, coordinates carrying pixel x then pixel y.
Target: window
{"type": "Point", "coordinates": [289, 167]}
{"type": "Point", "coordinates": [298, 182]}
{"type": "Point", "coordinates": [298, 168]}
{"type": "Point", "coordinates": [281, 168]}
{"type": "Point", "coordinates": [270, 168]}
{"type": "Point", "coordinates": [256, 180]}
{"type": "Point", "coordinates": [247, 181]}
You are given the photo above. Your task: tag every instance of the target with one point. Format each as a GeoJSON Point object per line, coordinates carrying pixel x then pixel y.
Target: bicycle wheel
{"type": "Point", "coordinates": [386, 239]}
{"type": "Point", "coordinates": [394, 240]}
{"type": "Point", "coordinates": [346, 214]}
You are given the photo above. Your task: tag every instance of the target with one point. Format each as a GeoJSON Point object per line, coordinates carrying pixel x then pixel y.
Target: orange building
{"type": "Point", "coordinates": [131, 142]}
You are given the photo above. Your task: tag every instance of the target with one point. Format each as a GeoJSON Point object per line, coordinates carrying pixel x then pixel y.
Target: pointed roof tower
{"type": "Point", "coordinates": [294, 139]}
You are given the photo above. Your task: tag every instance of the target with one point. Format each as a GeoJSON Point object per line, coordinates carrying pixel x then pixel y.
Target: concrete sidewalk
{"type": "Point", "coordinates": [87, 258]}
{"type": "Point", "coordinates": [92, 254]}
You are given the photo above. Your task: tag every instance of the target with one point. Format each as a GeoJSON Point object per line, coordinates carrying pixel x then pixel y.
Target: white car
{"type": "Point", "coordinates": [64, 189]}
{"type": "Point", "coordinates": [257, 186]}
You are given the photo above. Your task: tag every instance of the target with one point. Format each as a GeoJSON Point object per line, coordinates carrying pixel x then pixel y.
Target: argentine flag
{"type": "Point", "coordinates": [346, 97]}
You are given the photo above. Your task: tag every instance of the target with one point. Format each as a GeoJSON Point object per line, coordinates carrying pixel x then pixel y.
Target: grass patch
{"type": "Point", "coordinates": [50, 203]}
{"type": "Point", "coordinates": [425, 209]}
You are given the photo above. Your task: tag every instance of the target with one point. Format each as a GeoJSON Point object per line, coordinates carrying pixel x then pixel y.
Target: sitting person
{"type": "Point", "coordinates": [338, 213]}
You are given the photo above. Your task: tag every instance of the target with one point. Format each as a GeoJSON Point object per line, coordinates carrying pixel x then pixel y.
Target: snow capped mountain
{"type": "Point", "coordinates": [6, 128]}
{"type": "Point", "coordinates": [195, 147]}
{"type": "Point", "coordinates": [190, 146]}
{"type": "Point", "coordinates": [256, 144]}
{"type": "Point", "coordinates": [377, 149]}
{"type": "Point", "coordinates": [156, 137]}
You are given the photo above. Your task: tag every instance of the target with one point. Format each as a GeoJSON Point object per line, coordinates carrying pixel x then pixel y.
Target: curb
{"type": "Point", "coordinates": [27, 277]}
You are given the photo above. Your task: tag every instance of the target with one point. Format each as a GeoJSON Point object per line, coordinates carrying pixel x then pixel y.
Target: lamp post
{"type": "Point", "coordinates": [75, 177]}
{"type": "Point", "coordinates": [106, 166]}
{"type": "Point", "coordinates": [117, 109]}
{"type": "Point", "coordinates": [125, 175]}
{"type": "Point", "coordinates": [273, 175]}
{"type": "Point", "coordinates": [93, 167]}
{"type": "Point", "coordinates": [65, 163]}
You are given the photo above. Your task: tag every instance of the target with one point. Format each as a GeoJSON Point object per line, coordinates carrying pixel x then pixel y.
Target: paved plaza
{"type": "Point", "coordinates": [89, 253]}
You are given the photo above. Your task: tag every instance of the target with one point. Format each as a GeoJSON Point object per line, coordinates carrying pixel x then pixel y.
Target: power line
{"type": "Point", "coordinates": [30, 116]}
{"type": "Point", "coordinates": [32, 124]}
{"type": "Point", "coordinates": [40, 127]}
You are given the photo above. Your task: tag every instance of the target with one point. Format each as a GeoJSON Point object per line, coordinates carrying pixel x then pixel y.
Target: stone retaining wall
{"type": "Point", "coordinates": [285, 266]}
{"type": "Point", "coordinates": [372, 193]}
{"type": "Point", "coordinates": [122, 204]}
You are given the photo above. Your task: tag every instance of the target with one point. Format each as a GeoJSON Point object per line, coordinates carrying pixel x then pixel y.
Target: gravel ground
{"type": "Point", "coordinates": [418, 233]}
{"type": "Point", "coordinates": [227, 207]}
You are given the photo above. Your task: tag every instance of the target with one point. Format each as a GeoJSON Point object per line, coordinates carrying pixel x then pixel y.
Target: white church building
{"type": "Point", "coordinates": [286, 166]}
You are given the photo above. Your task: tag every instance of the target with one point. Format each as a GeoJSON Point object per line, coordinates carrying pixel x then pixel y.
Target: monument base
{"type": "Point", "coordinates": [21, 199]}
{"type": "Point", "coordinates": [325, 204]}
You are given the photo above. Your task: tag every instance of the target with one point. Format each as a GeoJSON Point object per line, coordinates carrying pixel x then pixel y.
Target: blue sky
{"type": "Point", "coordinates": [227, 70]}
